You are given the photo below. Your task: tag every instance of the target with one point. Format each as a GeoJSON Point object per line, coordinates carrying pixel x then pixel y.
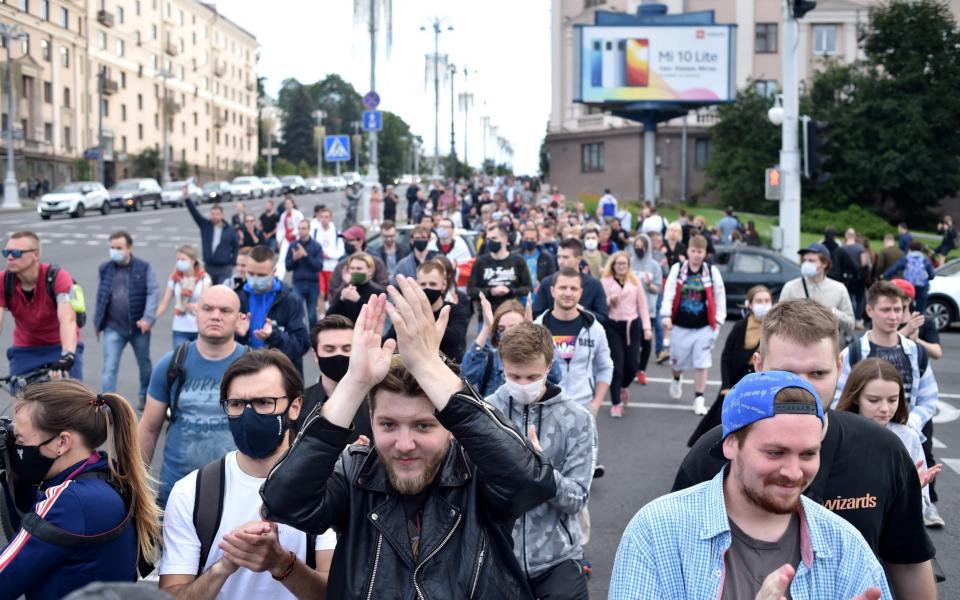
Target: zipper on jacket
{"type": "Point", "coordinates": [486, 408]}
{"type": "Point", "coordinates": [376, 563]}
{"type": "Point", "coordinates": [476, 576]}
{"type": "Point", "coordinates": [563, 523]}
{"type": "Point", "coordinates": [311, 419]}
{"type": "Point", "coordinates": [446, 539]}
{"type": "Point", "coordinates": [523, 519]}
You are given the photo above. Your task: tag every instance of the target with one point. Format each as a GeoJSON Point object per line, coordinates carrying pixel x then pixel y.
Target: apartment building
{"type": "Point", "coordinates": [591, 150]}
{"type": "Point", "coordinates": [143, 51]}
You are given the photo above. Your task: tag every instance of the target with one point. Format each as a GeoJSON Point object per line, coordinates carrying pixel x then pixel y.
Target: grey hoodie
{"type": "Point", "coordinates": [591, 360]}
{"type": "Point", "coordinates": [648, 264]}
{"type": "Point", "coordinates": [550, 533]}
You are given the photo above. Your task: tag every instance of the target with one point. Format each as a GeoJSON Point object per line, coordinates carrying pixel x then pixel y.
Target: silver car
{"type": "Point", "coordinates": [74, 199]}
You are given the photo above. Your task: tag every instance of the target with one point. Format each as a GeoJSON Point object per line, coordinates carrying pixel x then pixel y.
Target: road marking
{"type": "Point", "coordinates": [938, 444]}
{"type": "Point", "coordinates": [946, 412]}
{"type": "Point", "coordinates": [68, 242]}
{"type": "Point", "coordinates": [151, 221]}
{"type": "Point", "coordinates": [93, 242]}
{"type": "Point", "coordinates": [953, 463]}
{"type": "Point", "coordinates": [662, 406]}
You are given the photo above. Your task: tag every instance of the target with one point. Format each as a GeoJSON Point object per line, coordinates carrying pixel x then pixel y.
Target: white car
{"type": "Point", "coordinates": [271, 186]}
{"type": "Point", "coordinates": [176, 192]}
{"type": "Point", "coordinates": [336, 183]}
{"type": "Point", "coordinates": [943, 297]}
{"type": "Point", "coordinates": [352, 177]}
{"type": "Point", "coordinates": [74, 199]}
{"type": "Point", "coordinates": [246, 187]}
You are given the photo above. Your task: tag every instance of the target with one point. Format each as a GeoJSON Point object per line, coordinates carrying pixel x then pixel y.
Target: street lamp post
{"type": "Point", "coordinates": [165, 176]}
{"type": "Point", "coordinates": [373, 171]}
{"type": "Point", "coordinates": [101, 84]}
{"type": "Point", "coordinates": [11, 193]}
{"type": "Point", "coordinates": [318, 115]}
{"type": "Point", "coordinates": [466, 101]}
{"type": "Point", "coordinates": [437, 25]}
{"type": "Point", "coordinates": [453, 114]}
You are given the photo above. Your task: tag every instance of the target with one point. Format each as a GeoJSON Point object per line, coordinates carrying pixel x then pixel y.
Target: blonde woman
{"type": "Point", "coordinates": [184, 287]}
{"type": "Point", "coordinates": [628, 325]}
{"type": "Point", "coordinates": [359, 273]}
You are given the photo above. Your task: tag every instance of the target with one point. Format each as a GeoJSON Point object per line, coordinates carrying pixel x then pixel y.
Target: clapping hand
{"type": "Point", "coordinates": [487, 311]}
{"type": "Point", "coordinates": [370, 361]}
{"type": "Point", "coordinates": [927, 475]}
{"type": "Point", "coordinates": [418, 335]}
{"type": "Point", "coordinates": [265, 332]}
{"type": "Point", "coordinates": [776, 584]}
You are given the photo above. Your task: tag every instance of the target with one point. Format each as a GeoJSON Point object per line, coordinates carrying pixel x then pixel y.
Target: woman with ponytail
{"type": "Point", "coordinates": [80, 514]}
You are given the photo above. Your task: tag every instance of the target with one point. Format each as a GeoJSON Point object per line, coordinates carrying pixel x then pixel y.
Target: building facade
{"type": "Point", "coordinates": [590, 150]}
{"type": "Point", "coordinates": [142, 51]}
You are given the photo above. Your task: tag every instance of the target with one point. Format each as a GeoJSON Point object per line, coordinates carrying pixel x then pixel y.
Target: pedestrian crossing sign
{"type": "Point", "coordinates": [372, 120]}
{"type": "Point", "coordinates": [336, 148]}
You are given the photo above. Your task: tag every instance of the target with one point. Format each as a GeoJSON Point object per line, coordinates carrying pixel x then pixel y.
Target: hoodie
{"type": "Point", "coordinates": [591, 360]}
{"type": "Point", "coordinates": [549, 534]}
{"type": "Point", "coordinates": [648, 264]}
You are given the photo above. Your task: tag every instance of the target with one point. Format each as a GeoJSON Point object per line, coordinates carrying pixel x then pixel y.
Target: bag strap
{"type": "Point", "coordinates": [50, 279]}
{"type": "Point", "coordinates": [208, 506]}
{"type": "Point", "coordinates": [176, 374]}
{"type": "Point", "coordinates": [9, 280]}
{"type": "Point", "coordinates": [806, 292]}
{"type": "Point", "coordinates": [311, 551]}
{"type": "Point", "coordinates": [854, 355]}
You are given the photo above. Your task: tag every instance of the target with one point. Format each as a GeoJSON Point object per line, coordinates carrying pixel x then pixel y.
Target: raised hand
{"type": "Point", "coordinates": [370, 358]}
{"type": "Point", "coordinates": [528, 309]}
{"type": "Point", "coordinates": [418, 335]}
{"type": "Point", "coordinates": [487, 311]}
{"type": "Point", "coordinates": [776, 584]}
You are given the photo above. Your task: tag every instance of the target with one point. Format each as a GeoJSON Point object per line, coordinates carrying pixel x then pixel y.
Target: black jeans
{"type": "Point", "coordinates": [927, 431]}
{"type": "Point", "coordinates": [565, 581]}
{"type": "Point", "coordinates": [624, 355]}
{"type": "Point", "coordinates": [646, 346]}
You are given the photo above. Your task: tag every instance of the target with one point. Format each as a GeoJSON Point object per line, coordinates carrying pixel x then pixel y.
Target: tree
{"type": "Point", "coordinates": [183, 170]}
{"type": "Point", "coordinates": [744, 144]}
{"type": "Point", "coordinates": [260, 167]}
{"type": "Point", "coordinates": [298, 126]}
{"type": "Point", "coordinates": [147, 163]}
{"type": "Point", "coordinates": [545, 156]}
{"type": "Point", "coordinates": [393, 148]}
{"type": "Point", "coordinates": [82, 169]}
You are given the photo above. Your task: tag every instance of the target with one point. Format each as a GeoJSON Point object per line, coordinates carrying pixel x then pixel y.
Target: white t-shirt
{"type": "Point", "coordinates": [330, 241]}
{"type": "Point", "coordinates": [653, 223]}
{"type": "Point", "coordinates": [181, 547]}
{"type": "Point", "coordinates": [187, 322]}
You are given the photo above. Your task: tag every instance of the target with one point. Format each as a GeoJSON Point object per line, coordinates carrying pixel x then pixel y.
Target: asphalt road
{"type": "Point", "coordinates": [641, 451]}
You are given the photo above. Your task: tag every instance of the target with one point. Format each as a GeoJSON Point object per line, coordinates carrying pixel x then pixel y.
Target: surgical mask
{"type": "Point", "coordinates": [420, 245]}
{"type": "Point", "coordinates": [529, 245]}
{"type": "Point", "coordinates": [358, 278]}
{"type": "Point", "coordinates": [808, 269]}
{"type": "Point", "coordinates": [432, 295]}
{"type": "Point", "coordinates": [494, 247]}
{"type": "Point", "coordinates": [260, 283]}
{"type": "Point", "coordinates": [639, 252]}
{"type": "Point", "coordinates": [184, 266]}
{"type": "Point", "coordinates": [116, 255]}
{"type": "Point", "coordinates": [257, 436]}
{"type": "Point", "coordinates": [334, 367]}
{"type": "Point", "coordinates": [525, 393]}
{"type": "Point", "coordinates": [760, 310]}
{"type": "Point", "coordinates": [29, 464]}
{"type": "Point", "coordinates": [590, 244]}
{"type": "Point", "coordinates": [443, 233]}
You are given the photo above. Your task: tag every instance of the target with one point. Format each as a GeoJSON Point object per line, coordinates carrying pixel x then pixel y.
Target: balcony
{"type": "Point", "coordinates": [110, 87]}
{"type": "Point", "coordinates": [219, 68]}
{"type": "Point", "coordinates": [105, 18]}
{"type": "Point", "coordinates": [251, 130]}
{"type": "Point", "coordinates": [171, 49]}
{"type": "Point", "coordinates": [251, 86]}
{"type": "Point", "coordinates": [219, 122]}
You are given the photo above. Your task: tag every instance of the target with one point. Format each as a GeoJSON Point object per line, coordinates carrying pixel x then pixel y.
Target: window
{"type": "Point", "coordinates": [153, 31]}
{"type": "Point", "coordinates": [196, 144]}
{"type": "Point", "coordinates": [591, 158]}
{"type": "Point", "coordinates": [183, 73]}
{"type": "Point", "coordinates": [25, 43]}
{"type": "Point", "coordinates": [136, 8]}
{"type": "Point", "coordinates": [766, 38]}
{"type": "Point", "coordinates": [66, 97]}
{"type": "Point", "coordinates": [140, 131]}
{"type": "Point", "coordinates": [154, 63]}
{"type": "Point", "coordinates": [181, 19]}
{"type": "Point", "coordinates": [45, 50]}
{"type": "Point", "coordinates": [120, 15]}
{"type": "Point", "coordinates": [64, 18]}
{"type": "Point", "coordinates": [591, 3]}
{"type": "Point", "coordinates": [123, 80]}
{"type": "Point", "coordinates": [48, 92]}
{"type": "Point", "coordinates": [123, 112]}
{"type": "Point", "coordinates": [701, 153]}
{"type": "Point", "coordinates": [824, 39]}
{"type": "Point", "coordinates": [156, 120]}
{"type": "Point", "coordinates": [136, 37]}
{"type": "Point", "coordinates": [120, 47]}
{"type": "Point", "coordinates": [139, 101]}
{"type": "Point", "coordinates": [766, 87]}
{"type": "Point", "coordinates": [755, 264]}
{"type": "Point", "coordinates": [45, 10]}
{"type": "Point", "coordinates": [25, 5]}
{"type": "Point", "coordinates": [67, 138]}
{"type": "Point", "coordinates": [102, 40]}
{"type": "Point", "coordinates": [195, 119]}
{"type": "Point", "coordinates": [106, 107]}
{"type": "Point", "coordinates": [65, 57]}
{"type": "Point", "coordinates": [48, 132]}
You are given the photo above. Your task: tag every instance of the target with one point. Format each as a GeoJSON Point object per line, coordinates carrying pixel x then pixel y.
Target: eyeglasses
{"type": "Point", "coordinates": [16, 253]}
{"type": "Point", "coordinates": [234, 407]}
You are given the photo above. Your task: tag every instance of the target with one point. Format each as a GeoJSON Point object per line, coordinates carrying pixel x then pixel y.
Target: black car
{"type": "Point", "coordinates": [134, 194]}
{"type": "Point", "coordinates": [216, 191]}
{"type": "Point", "coordinates": [292, 184]}
{"type": "Point", "coordinates": [743, 267]}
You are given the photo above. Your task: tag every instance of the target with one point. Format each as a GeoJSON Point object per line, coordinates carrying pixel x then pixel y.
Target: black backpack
{"type": "Point", "coordinates": [208, 511]}
{"type": "Point", "coordinates": [9, 280]}
{"type": "Point", "coordinates": [177, 374]}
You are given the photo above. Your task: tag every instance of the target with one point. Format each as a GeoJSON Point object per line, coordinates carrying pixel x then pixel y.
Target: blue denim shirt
{"type": "Point", "coordinates": [673, 548]}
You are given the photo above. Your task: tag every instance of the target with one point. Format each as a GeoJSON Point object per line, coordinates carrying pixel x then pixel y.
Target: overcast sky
{"type": "Point", "coordinates": [505, 44]}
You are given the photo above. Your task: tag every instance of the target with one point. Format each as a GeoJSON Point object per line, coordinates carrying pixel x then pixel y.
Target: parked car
{"type": "Point", "coordinates": [335, 183]}
{"type": "Point", "coordinates": [406, 179]}
{"type": "Point", "coordinates": [743, 267]}
{"type": "Point", "coordinates": [352, 177]}
{"type": "Point", "coordinates": [134, 194]}
{"type": "Point", "coordinates": [247, 187]}
{"type": "Point", "coordinates": [175, 193]}
{"type": "Point", "coordinates": [292, 184]}
{"type": "Point", "coordinates": [312, 185]}
{"type": "Point", "coordinates": [271, 186]}
{"type": "Point", "coordinates": [216, 191]}
{"type": "Point", "coordinates": [74, 199]}
{"type": "Point", "coordinates": [943, 298]}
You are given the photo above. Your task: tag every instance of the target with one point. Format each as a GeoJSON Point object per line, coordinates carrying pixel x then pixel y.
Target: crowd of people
{"type": "Point", "coordinates": [438, 458]}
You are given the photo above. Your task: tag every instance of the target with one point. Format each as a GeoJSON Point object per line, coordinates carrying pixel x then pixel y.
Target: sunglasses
{"type": "Point", "coordinates": [8, 252]}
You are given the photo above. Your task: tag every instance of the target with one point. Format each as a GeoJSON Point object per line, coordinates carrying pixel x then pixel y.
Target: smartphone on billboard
{"type": "Point", "coordinates": [620, 63]}
{"type": "Point", "coordinates": [638, 62]}
{"type": "Point", "coordinates": [596, 63]}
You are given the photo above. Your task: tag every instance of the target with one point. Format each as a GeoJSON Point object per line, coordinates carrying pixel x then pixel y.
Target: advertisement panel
{"type": "Point", "coordinates": [682, 64]}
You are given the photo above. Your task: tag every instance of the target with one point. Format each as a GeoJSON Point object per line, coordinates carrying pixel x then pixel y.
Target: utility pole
{"type": "Point", "coordinates": [373, 172]}
{"type": "Point", "coordinates": [101, 84]}
{"type": "Point", "coordinates": [789, 152]}
{"type": "Point", "coordinates": [164, 112]}
{"type": "Point", "coordinates": [11, 192]}
{"type": "Point", "coordinates": [466, 101]}
{"type": "Point", "coordinates": [356, 149]}
{"type": "Point", "coordinates": [453, 114]}
{"type": "Point", "coordinates": [437, 25]}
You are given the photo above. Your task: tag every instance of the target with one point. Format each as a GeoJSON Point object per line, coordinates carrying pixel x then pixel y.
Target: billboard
{"type": "Point", "coordinates": [667, 64]}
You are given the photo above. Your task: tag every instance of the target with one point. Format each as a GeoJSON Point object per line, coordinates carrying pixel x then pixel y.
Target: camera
{"type": "Point", "coordinates": [7, 440]}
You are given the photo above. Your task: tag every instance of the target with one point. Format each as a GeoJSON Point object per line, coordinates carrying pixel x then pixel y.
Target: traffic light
{"type": "Point", "coordinates": [802, 7]}
{"type": "Point", "coordinates": [818, 152]}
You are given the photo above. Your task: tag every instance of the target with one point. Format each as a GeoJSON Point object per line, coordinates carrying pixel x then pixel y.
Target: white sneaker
{"type": "Point", "coordinates": [699, 406]}
{"type": "Point", "coordinates": [676, 391]}
{"type": "Point", "coordinates": [931, 516]}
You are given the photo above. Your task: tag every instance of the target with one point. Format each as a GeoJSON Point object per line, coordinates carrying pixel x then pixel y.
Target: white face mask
{"type": "Point", "coordinates": [760, 310]}
{"type": "Point", "coordinates": [526, 393]}
{"type": "Point", "coordinates": [590, 244]}
{"type": "Point", "coordinates": [808, 270]}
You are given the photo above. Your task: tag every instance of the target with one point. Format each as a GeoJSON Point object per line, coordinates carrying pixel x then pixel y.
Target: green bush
{"type": "Point", "coordinates": [863, 221]}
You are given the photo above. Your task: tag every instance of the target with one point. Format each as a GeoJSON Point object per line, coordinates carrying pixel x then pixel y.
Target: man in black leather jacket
{"type": "Point", "coordinates": [428, 511]}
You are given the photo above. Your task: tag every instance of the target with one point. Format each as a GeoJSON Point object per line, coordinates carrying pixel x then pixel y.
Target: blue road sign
{"type": "Point", "coordinates": [336, 148]}
{"type": "Point", "coordinates": [371, 100]}
{"type": "Point", "coordinates": [372, 120]}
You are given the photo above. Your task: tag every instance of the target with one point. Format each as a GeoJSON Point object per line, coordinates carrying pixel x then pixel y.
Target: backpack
{"type": "Point", "coordinates": [915, 270]}
{"type": "Point", "coordinates": [208, 511]}
{"type": "Point", "coordinates": [177, 374]}
{"type": "Point", "coordinates": [923, 359]}
{"type": "Point", "coordinates": [76, 292]}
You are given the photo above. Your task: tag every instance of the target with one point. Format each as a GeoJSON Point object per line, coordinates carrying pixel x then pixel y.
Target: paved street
{"type": "Point", "coordinates": [641, 451]}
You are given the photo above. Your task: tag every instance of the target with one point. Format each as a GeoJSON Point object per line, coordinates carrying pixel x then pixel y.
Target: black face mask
{"type": "Point", "coordinates": [432, 295]}
{"type": "Point", "coordinates": [30, 466]}
{"type": "Point", "coordinates": [420, 245]}
{"type": "Point", "coordinates": [494, 247]}
{"type": "Point", "coordinates": [257, 436]}
{"type": "Point", "coordinates": [639, 252]}
{"type": "Point", "coordinates": [334, 367]}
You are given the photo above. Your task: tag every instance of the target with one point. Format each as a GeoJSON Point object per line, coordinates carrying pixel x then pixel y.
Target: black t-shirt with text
{"type": "Point", "coordinates": [896, 356]}
{"type": "Point", "coordinates": [564, 334]}
{"type": "Point", "coordinates": [866, 476]}
{"type": "Point", "coordinates": [692, 311]}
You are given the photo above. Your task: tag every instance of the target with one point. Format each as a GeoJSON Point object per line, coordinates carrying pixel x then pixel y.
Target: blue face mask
{"type": "Point", "coordinates": [260, 283]}
{"type": "Point", "coordinates": [116, 255]}
{"type": "Point", "coordinates": [257, 436]}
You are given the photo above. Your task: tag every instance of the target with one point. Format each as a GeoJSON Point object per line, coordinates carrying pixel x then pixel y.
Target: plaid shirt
{"type": "Point", "coordinates": [674, 547]}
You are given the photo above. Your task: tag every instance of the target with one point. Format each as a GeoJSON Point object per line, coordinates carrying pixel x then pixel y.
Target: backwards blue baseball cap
{"type": "Point", "coordinates": [753, 399]}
